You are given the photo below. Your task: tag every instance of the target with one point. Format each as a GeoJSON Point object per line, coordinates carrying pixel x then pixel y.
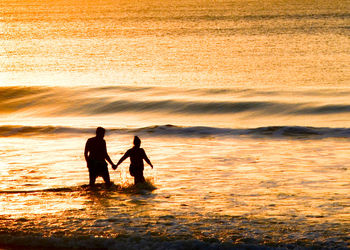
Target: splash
{"type": "Point", "coordinates": [138, 188]}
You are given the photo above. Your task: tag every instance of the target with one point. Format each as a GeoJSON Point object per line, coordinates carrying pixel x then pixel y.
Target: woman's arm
{"type": "Point", "coordinates": [146, 159]}
{"type": "Point", "coordinates": [126, 155]}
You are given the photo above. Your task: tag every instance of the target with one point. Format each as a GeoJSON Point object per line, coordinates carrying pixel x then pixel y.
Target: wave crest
{"type": "Point", "coordinates": [293, 132]}
{"type": "Point", "coordinates": [62, 102]}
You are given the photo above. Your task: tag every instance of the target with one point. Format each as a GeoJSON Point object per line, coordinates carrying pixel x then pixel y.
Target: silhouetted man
{"type": "Point", "coordinates": [96, 156]}
{"type": "Point", "coordinates": [137, 155]}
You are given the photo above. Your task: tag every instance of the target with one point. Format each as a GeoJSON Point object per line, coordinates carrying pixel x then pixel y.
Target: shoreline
{"type": "Point", "coordinates": [18, 241]}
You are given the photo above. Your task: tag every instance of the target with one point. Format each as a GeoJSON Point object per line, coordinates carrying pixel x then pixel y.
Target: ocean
{"type": "Point", "coordinates": [242, 106]}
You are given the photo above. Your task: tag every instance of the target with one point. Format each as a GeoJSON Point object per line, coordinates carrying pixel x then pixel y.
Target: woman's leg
{"type": "Point", "coordinates": [139, 178]}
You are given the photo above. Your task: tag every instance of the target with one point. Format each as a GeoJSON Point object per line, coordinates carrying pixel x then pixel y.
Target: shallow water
{"type": "Point", "coordinates": [240, 190]}
{"type": "Point", "coordinates": [242, 106]}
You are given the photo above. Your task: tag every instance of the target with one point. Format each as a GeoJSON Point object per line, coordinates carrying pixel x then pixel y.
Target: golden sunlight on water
{"type": "Point", "coordinates": [195, 43]}
{"type": "Point", "coordinates": [212, 185]}
{"type": "Point", "coordinates": [256, 97]}
{"type": "Point", "coordinates": [268, 178]}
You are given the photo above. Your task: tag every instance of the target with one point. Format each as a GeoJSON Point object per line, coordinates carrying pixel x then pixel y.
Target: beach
{"type": "Point", "coordinates": [242, 107]}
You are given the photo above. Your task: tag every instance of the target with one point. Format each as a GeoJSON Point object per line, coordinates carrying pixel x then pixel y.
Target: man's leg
{"type": "Point", "coordinates": [106, 178]}
{"type": "Point", "coordinates": [92, 177]}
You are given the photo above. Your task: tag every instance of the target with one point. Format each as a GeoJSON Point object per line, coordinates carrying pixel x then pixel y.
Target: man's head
{"type": "Point", "coordinates": [100, 132]}
{"type": "Point", "coordinates": [137, 141]}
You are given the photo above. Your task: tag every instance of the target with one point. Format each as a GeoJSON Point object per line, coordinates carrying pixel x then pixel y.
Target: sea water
{"type": "Point", "coordinates": [242, 107]}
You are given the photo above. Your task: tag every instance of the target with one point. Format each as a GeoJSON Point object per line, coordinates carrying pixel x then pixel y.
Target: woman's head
{"type": "Point", "coordinates": [137, 141]}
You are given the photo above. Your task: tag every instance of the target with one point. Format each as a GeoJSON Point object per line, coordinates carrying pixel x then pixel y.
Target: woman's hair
{"type": "Point", "coordinates": [137, 141]}
{"type": "Point", "coordinates": [100, 131]}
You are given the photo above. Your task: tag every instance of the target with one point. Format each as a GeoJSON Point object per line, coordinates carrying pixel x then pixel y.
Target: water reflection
{"type": "Point", "coordinates": [241, 185]}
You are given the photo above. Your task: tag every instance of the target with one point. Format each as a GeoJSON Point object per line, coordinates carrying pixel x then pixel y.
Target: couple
{"type": "Point", "coordinates": [96, 155]}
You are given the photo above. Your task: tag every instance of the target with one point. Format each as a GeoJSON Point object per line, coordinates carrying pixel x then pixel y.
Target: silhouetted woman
{"type": "Point", "coordinates": [137, 155]}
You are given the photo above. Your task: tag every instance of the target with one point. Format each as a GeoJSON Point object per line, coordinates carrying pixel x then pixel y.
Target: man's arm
{"type": "Point", "coordinates": [86, 151]}
{"type": "Point", "coordinates": [107, 156]}
{"type": "Point", "coordinates": [109, 160]}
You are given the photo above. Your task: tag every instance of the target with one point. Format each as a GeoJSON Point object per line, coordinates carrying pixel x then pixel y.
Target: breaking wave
{"type": "Point", "coordinates": [15, 130]}
{"type": "Point", "coordinates": [50, 101]}
{"type": "Point", "coordinates": [271, 131]}
{"type": "Point", "coordinates": [297, 132]}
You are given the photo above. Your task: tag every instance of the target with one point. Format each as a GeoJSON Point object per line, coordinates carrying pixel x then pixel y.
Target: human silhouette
{"type": "Point", "coordinates": [137, 155]}
{"type": "Point", "coordinates": [96, 155]}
